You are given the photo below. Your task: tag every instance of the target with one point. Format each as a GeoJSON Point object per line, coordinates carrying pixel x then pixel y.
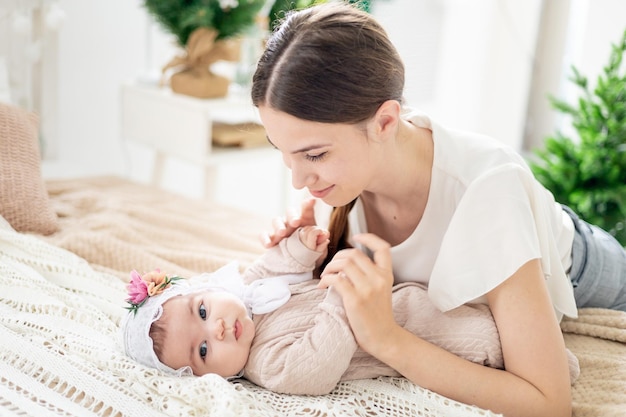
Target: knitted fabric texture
{"type": "Point", "coordinates": [24, 200]}
{"type": "Point", "coordinates": [59, 320]}
{"type": "Point", "coordinates": [60, 354]}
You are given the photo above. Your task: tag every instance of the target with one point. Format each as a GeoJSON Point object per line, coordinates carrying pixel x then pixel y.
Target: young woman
{"type": "Point", "coordinates": [457, 211]}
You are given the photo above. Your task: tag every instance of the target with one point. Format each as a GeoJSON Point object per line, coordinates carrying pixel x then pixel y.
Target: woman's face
{"type": "Point", "coordinates": [334, 161]}
{"type": "Point", "coordinates": [209, 331]}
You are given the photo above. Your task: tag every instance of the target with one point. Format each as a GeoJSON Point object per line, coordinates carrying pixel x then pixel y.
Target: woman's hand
{"type": "Point", "coordinates": [365, 287]}
{"type": "Point", "coordinates": [285, 226]}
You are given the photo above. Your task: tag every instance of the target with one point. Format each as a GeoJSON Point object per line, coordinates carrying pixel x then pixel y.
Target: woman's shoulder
{"type": "Point", "coordinates": [462, 154]}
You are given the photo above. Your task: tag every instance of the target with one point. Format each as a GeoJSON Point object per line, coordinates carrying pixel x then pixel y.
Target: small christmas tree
{"type": "Point", "coordinates": [589, 174]}
{"type": "Point", "coordinates": [228, 18]}
{"type": "Point", "coordinates": [206, 30]}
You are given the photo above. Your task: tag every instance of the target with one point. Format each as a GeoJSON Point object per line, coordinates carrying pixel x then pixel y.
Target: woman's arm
{"type": "Point", "coordinates": [536, 380]}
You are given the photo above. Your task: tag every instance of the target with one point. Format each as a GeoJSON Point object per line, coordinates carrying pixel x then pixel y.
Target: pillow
{"type": "Point", "coordinates": [24, 199]}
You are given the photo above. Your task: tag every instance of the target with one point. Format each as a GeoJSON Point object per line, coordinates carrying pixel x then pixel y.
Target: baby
{"type": "Point", "coordinates": [204, 324]}
{"type": "Point", "coordinates": [273, 326]}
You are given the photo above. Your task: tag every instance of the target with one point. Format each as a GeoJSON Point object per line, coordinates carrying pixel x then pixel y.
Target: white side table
{"type": "Point", "coordinates": [175, 125]}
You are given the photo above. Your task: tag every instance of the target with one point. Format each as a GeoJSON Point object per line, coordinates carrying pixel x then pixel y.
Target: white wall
{"type": "Point", "coordinates": [585, 43]}
{"type": "Point", "coordinates": [604, 24]}
{"type": "Point", "coordinates": [101, 44]}
{"type": "Point", "coordinates": [469, 63]}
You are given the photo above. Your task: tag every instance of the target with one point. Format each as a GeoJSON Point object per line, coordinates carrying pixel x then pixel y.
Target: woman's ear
{"type": "Point", "coordinates": [385, 121]}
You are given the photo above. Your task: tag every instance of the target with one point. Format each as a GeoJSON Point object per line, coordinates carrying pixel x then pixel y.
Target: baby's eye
{"type": "Point", "coordinates": [314, 158]}
{"type": "Point", "coordinates": [203, 350]}
{"type": "Point", "coordinates": [202, 311]}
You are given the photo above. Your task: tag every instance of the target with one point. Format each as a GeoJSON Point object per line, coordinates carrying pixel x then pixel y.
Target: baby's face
{"type": "Point", "coordinates": [209, 331]}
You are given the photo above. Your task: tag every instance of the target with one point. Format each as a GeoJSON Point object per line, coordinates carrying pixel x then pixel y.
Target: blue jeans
{"type": "Point", "coordinates": [598, 271]}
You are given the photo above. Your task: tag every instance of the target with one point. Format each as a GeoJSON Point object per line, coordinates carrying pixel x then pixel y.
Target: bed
{"type": "Point", "coordinates": [66, 249]}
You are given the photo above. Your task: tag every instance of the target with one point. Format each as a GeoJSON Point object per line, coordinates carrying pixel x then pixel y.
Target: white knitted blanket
{"type": "Point", "coordinates": [61, 300]}
{"type": "Point", "coordinates": [61, 355]}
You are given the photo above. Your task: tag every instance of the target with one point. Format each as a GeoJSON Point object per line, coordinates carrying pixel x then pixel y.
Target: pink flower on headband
{"type": "Point", "coordinates": [141, 288]}
{"type": "Point", "coordinates": [137, 288]}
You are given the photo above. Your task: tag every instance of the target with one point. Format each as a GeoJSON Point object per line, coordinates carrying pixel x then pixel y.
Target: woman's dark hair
{"type": "Point", "coordinates": [330, 63]}
{"type": "Point", "coordinates": [338, 228]}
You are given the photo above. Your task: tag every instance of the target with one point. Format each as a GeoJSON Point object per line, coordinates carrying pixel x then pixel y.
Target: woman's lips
{"type": "Point", "coordinates": [321, 193]}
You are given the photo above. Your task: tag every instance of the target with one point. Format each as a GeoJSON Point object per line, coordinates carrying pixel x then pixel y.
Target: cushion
{"type": "Point", "coordinates": [23, 197]}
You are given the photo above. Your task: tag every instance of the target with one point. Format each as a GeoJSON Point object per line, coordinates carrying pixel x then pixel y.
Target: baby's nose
{"type": "Point", "coordinates": [220, 328]}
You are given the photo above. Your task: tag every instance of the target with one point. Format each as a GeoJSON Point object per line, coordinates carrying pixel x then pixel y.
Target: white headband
{"type": "Point", "coordinates": [260, 297]}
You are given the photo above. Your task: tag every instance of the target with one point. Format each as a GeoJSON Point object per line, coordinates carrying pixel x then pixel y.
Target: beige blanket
{"type": "Point", "coordinates": [118, 226]}
{"type": "Point", "coordinates": [598, 339]}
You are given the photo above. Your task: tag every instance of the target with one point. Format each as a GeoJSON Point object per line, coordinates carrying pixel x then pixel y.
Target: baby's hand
{"type": "Point", "coordinates": [314, 238]}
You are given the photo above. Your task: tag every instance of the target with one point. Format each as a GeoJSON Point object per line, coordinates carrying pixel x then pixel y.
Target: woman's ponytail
{"type": "Point", "coordinates": [339, 233]}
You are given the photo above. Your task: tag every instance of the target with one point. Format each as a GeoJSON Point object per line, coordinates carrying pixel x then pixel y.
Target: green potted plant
{"type": "Point", "coordinates": [228, 18]}
{"type": "Point", "coordinates": [208, 31]}
{"type": "Point", "coordinates": [588, 173]}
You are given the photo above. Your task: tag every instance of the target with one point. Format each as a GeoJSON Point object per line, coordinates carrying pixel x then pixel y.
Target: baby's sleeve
{"type": "Point", "coordinates": [306, 362]}
{"type": "Point", "coordinates": [290, 256]}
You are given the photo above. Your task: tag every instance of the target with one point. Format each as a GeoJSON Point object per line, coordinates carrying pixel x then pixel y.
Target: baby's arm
{"type": "Point", "coordinates": [303, 347]}
{"type": "Point", "coordinates": [296, 254]}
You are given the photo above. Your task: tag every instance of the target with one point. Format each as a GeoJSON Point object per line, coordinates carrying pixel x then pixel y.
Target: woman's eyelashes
{"type": "Point", "coordinates": [314, 158]}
